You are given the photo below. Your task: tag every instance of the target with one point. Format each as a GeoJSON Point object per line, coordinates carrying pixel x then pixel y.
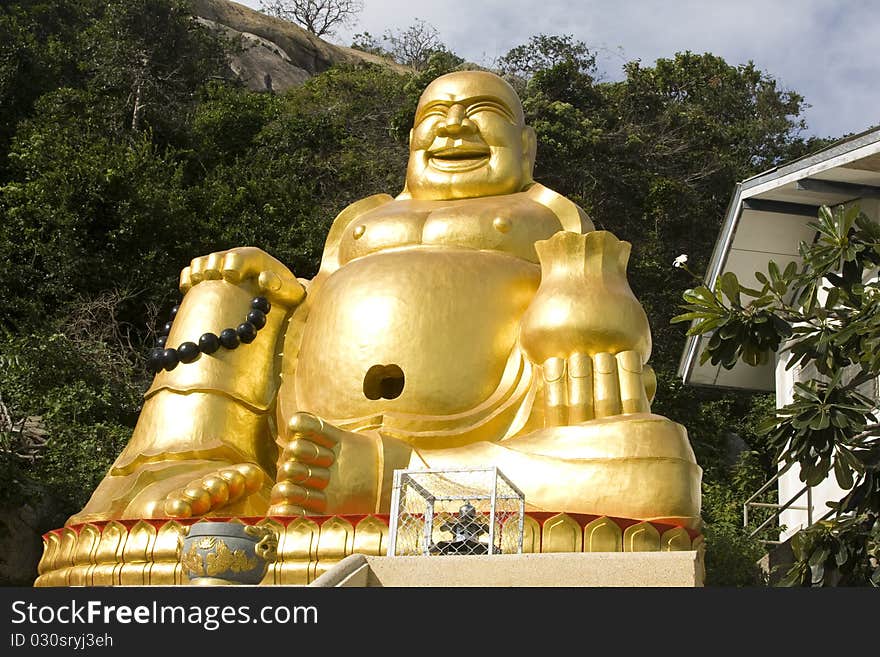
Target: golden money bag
{"type": "Point", "coordinates": [584, 303]}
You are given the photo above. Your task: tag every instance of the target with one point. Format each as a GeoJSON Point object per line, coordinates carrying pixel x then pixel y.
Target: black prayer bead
{"type": "Point", "coordinates": [187, 352]}
{"type": "Point", "coordinates": [161, 341]}
{"type": "Point", "coordinates": [170, 359]}
{"type": "Point", "coordinates": [155, 361]}
{"type": "Point", "coordinates": [209, 343]}
{"type": "Point", "coordinates": [257, 318]}
{"type": "Point", "coordinates": [247, 332]}
{"type": "Point", "coordinates": [261, 303]}
{"type": "Point", "coordinates": [173, 312]}
{"type": "Point", "coordinates": [166, 329]}
{"type": "Point", "coordinates": [229, 338]}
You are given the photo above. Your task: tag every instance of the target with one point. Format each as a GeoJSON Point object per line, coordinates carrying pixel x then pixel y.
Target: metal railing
{"type": "Point", "coordinates": [789, 505]}
{"type": "Point", "coordinates": [751, 503]}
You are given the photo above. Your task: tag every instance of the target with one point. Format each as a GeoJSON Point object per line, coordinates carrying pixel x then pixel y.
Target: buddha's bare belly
{"type": "Point", "coordinates": [448, 318]}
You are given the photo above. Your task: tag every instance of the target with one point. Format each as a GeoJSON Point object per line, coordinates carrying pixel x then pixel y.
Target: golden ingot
{"type": "Point", "coordinates": [477, 318]}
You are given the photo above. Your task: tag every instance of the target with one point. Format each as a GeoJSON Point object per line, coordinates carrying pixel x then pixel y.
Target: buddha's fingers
{"type": "Point", "coordinates": [606, 385]}
{"type": "Point", "coordinates": [284, 288]}
{"type": "Point", "coordinates": [273, 278]}
{"type": "Point", "coordinates": [288, 493]}
{"type": "Point", "coordinates": [555, 392]}
{"type": "Point", "coordinates": [211, 266]}
{"type": "Point", "coordinates": [185, 281]}
{"type": "Point", "coordinates": [580, 388]}
{"type": "Point", "coordinates": [650, 380]}
{"type": "Point", "coordinates": [233, 268]}
{"type": "Point", "coordinates": [197, 269]}
{"type": "Point", "coordinates": [303, 474]}
{"type": "Point", "coordinates": [633, 396]}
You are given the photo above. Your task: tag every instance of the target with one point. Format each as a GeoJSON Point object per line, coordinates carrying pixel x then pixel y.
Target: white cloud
{"type": "Point", "coordinates": [826, 50]}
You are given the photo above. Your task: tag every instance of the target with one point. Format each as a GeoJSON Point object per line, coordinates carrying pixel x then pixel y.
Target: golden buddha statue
{"type": "Point", "coordinates": [477, 318]}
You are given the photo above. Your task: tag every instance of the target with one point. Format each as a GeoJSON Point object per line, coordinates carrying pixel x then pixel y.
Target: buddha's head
{"type": "Point", "coordinates": [469, 139]}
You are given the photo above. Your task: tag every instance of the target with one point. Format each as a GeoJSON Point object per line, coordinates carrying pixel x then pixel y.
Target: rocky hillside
{"type": "Point", "coordinates": [275, 54]}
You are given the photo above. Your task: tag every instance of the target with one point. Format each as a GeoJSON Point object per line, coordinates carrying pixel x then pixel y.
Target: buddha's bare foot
{"type": "Point", "coordinates": [324, 469]}
{"type": "Point", "coordinates": [214, 491]}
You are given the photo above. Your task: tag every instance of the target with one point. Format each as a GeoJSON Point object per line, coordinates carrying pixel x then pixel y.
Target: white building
{"type": "Point", "coordinates": [766, 220]}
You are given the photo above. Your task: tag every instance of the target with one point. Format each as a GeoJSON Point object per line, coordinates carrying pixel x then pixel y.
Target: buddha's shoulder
{"type": "Point", "coordinates": [363, 206]}
{"type": "Point", "coordinates": [572, 216]}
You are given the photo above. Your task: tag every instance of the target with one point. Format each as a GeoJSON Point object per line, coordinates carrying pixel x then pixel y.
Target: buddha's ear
{"type": "Point", "coordinates": [404, 195]}
{"type": "Point", "coordinates": [530, 148]}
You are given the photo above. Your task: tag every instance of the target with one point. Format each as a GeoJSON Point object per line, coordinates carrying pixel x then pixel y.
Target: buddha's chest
{"type": "Point", "coordinates": [507, 224]}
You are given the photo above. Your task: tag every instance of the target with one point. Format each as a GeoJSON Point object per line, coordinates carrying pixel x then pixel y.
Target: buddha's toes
{"type": "Point", "coordinates": [307, 452]}
{"type": "Point", "coordinates": [213, 491]}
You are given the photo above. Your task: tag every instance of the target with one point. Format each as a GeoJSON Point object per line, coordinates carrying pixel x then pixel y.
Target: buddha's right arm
{"type": "Point", "coordinates": [218, 407]}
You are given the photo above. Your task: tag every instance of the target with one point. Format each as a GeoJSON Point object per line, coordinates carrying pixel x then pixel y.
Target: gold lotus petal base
{"type": "Point", "coordinates": [144, 552]}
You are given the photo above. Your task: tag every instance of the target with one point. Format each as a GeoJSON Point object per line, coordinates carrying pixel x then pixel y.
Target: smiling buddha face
{"type": "Point", "coordinates": [469, 139]}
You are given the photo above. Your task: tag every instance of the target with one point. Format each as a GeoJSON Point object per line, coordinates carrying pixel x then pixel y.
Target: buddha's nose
{"type": "Point", "coordinates": [456, 123]}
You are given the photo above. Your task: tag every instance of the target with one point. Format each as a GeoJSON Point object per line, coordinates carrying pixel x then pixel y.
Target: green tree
{"type": "Point", "coordinates": [39, 51]}
{"type": "Point", "coordinates": [414, 46]}
{"type": "Point", "coordinates": [544, 52]}
{"type": "Point", "coordinates": [825, 315]}
{"type": "Point", "coordinates": [150, 57]}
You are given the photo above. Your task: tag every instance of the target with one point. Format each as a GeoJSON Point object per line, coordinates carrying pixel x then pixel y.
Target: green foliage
{"type": "Point", "coordinates": [39, 51]}
{"type": "Point", "coordinates": [86, 394]}
{"type": "Point", "coordinates": [542, 54]}
{"type": "Point", "coordinates": [297, 161]}
{"type": "Point", "coordinates": [826, 312]}
{"type": "Point", "coordinates": [731, 556]}
{"type": "Point", "coordinates": [150, 56]}
{"type": "Point", "coordinates": [751, 334]}
{"type": "Point", "coordinates": [735, 465]}
{"type": "Point", "coordinates": [415, 46]}
{"type": "Point", "coordinates": [366, 42]}
{"type": "Point", "coordinates": [845, 552]}
{"type": "Point", "coordinates": [83, 209]}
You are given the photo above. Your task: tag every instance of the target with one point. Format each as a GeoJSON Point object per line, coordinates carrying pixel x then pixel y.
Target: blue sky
{"type": "Point", "coordinates": [826, 50]}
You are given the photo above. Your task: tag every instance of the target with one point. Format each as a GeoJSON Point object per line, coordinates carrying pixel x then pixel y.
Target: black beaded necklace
{"type": "Point", "coordinates": [160, 357]}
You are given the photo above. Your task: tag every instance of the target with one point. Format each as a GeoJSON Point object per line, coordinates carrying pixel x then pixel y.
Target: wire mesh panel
{"type": "Point", "coordinates": [460, 511]}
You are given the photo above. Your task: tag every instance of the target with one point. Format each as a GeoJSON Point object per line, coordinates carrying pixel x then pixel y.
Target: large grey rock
{"type": "Point", "coordinates": [276, 54]}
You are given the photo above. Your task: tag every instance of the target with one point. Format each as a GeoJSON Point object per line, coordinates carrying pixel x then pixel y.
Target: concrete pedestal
{"type": "Point", "coordinates": [567, 569]}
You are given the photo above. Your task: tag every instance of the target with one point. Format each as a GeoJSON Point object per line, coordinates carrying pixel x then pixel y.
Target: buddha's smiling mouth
{"type": "Point", "coordinates": [458, 158]}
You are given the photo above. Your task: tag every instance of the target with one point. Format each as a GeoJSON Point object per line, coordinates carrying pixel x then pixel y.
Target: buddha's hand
{"type": "Point", "coordinates": [324, 469]}
{"type": "Point", "coordinates": [247, 263]}
{"type": "Point", "coordinates": [584, 387]}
